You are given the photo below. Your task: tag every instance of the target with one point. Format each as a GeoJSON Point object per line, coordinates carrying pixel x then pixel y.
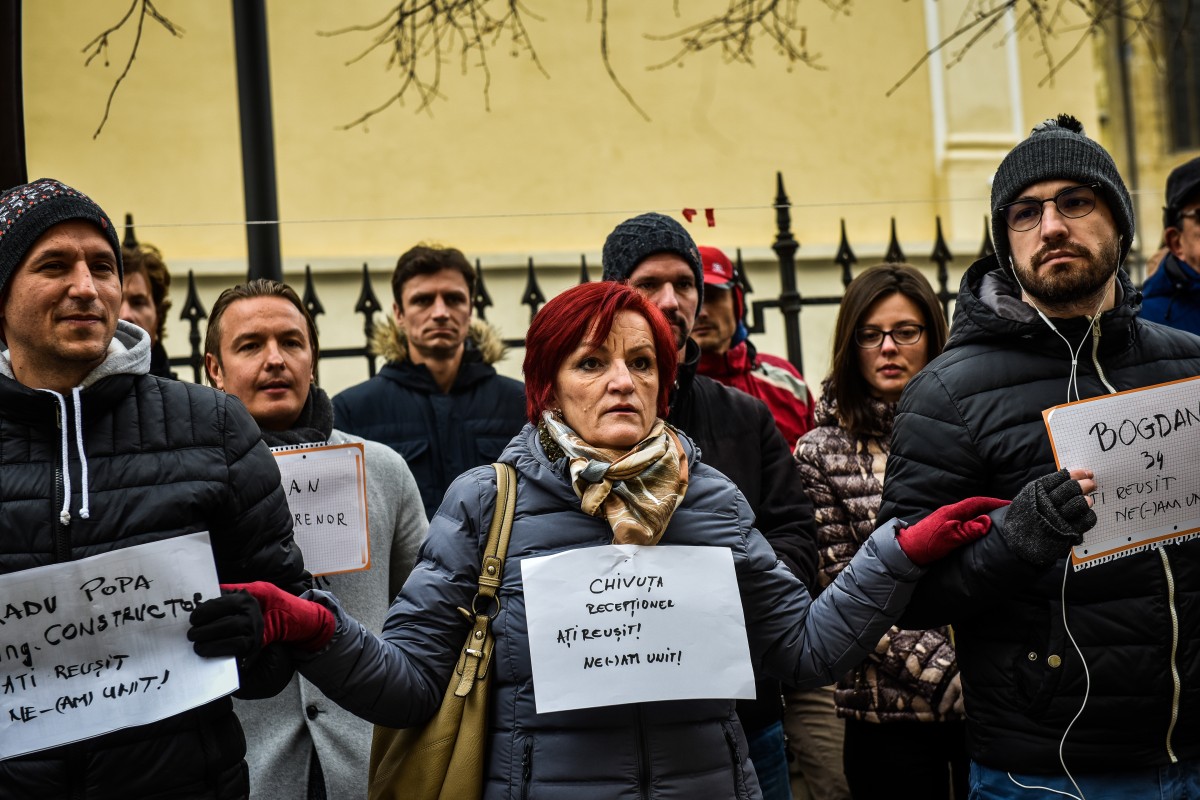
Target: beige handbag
{"type": "Point", "coordinates": [444, 758]}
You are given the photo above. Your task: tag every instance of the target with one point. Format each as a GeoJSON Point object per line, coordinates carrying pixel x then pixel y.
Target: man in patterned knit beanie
{"type": "Point", "coordinates": [98, 456]}
{"type": "Point", "coordinates": [736, 434]}
{"type": "Point", "coordinates": [1074, 680]}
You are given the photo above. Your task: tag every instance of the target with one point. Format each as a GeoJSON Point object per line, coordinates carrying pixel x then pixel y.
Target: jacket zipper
{"type": "Point", "coordinates": [642, 756]}
{"type": "Point", "coordinates": [62, 536]}
{"type": "Point", "coordinates": [526, 768]}
{"type": "Point", "coordinates": [1174, 652]}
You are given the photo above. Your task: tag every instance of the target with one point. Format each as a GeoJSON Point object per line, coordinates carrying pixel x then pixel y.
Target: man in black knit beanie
{"type": "Point", "coordinates": [1079, 683]}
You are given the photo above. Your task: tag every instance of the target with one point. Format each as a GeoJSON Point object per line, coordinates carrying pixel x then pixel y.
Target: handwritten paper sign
{"type": "Point", "coordinates": [1144, 447]}
{"type": "Point", "coordinates": [629, 624]}
{"type": "Point", "coordinates": [96, 645]}
{"type": "Point", "coordinates": [326, 488]}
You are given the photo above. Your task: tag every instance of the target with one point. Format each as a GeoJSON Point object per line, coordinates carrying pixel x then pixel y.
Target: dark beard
{"type": "Point", "coordinates": [1067, 286]}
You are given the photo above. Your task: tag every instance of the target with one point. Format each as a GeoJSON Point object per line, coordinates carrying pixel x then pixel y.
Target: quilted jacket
{"type": "Point", "coordinates": [165, 458]}
{"type": "Point", "coordinates": [971, 424]}
{"type": "Point", "coordinates": [907, 675]}
{"type": "Point", "coordinates": [668, 749]}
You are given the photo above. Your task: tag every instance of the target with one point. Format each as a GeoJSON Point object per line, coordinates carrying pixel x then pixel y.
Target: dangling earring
{"type": "Point", "coordinates": [558, 413]}
{"type": "Point", "coordinates": [546, 440]}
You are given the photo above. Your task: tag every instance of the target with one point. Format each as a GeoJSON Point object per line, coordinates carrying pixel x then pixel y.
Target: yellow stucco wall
{"type": "Point", "coordinates": [555, 163]}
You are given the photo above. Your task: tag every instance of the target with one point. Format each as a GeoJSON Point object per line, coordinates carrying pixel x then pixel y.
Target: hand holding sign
{"type": "Point", "coordinates": [1142, 446]}
{"type": "Point", "coordinates": [1050, 515]}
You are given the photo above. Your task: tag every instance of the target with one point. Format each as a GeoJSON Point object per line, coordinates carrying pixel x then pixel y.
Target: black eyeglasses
{"type": "Point", "coordinates": [870, 338]}
{"type": "Point", "coordinates": [1192, 214]}
{"type": "Point", "coordinates": [1073, 202]}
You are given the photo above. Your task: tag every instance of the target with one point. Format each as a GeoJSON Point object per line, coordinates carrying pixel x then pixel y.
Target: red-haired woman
{"type": "Point", "coordinates": [597, 466]}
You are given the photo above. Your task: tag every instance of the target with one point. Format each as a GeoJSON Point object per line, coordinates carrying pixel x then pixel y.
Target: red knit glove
{"type": "Point", "coordinates": [287, 618]}
{"type": "Point", "coordinates": [947, 528]}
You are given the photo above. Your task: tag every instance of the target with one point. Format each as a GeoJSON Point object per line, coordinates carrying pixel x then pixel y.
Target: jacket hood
{"type": "Point", "coordinates": [128, 353]}
{"type": "Point", "coordinates": [990, 307]}
{"type": "Point", "coordinates": [390, 342]}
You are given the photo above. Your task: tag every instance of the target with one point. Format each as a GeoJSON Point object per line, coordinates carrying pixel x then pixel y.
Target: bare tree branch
{"type": "Point", "coordinates": [420, 35]}
{"type": "Point", "coordinates": [99, 45]}
{"type": "Point", "coordinates": [742, 24]}
{"type": "Point", "coordinates": [1048, 21]}
{"type": "Point", "coordinates": [612, 73]}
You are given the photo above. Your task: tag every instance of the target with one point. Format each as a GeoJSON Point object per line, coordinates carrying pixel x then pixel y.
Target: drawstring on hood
{"type": "Point", "coordinates": [128, 353]}
{"type": "Point", "coordinates": [64, 516]}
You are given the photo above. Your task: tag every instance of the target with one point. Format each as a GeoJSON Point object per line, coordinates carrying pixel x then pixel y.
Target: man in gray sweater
{"type": "Point", "coordinates": [261, 347]}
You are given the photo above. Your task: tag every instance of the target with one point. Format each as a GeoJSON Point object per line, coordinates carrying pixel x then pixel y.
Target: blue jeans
{"type": "Point", "coordinates": [768, 753]}
{"type": "Point", "coordinates": [1174, 782]}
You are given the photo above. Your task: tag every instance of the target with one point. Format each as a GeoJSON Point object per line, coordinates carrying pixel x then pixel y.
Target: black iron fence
{"type": "Point", "coordinates": [790, 302]}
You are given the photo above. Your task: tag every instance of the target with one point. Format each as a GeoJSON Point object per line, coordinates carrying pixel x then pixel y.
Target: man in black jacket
{"type": "Point", "coordinates": [1103, 663]}
{"type": "Point", "coordinates": [97, 456]}
{"type": "Point", "coordinates": [736, 434]}
{"type": "Point", "coordinates": [438, 400]}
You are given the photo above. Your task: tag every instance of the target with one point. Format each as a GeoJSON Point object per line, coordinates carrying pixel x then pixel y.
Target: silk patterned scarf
{"type": "Point", "coordinates": [635, 491]}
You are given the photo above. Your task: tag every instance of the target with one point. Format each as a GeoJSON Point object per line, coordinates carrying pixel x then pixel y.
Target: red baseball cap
{"type": "Point", "coordinates": [718, 269]}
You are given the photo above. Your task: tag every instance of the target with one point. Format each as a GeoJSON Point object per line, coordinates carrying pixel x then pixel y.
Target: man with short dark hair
{"type": "Point", "coordinates": [1171, 295]}
{"type": "Point", "coordinates": [1085, 682]}
{"type": "Point", "coordinates": [736, 434]}
{"type": "Point", "coordinates": [99, 456]}
{"type": "Point", "coordinates": [438, 401]}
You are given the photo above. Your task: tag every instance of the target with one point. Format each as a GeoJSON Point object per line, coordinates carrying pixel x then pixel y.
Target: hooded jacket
{"type": "Point", "coordinates": [440, 435]}
{"type": "Point", "coordinates": [692, 748]}
{"type": "Point", "coordinates": [738, 436]}
{"type": "Point", "coordinates": [906, 677]}
{"type": "Point", "coordinates": [971, 424]}
{"type": "Point", "coordinates": [1172, 295]}
{"type": "Point", "coordinates": [164, 459]}
{"type": "Point", "coordinates": [769, 378]}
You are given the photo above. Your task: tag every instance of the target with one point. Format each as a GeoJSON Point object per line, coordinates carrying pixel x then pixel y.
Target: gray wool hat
{"type": "Point", "coordinates": [636, 239]}
{"type": "Point", "coordinates": [1058, 149]}
{"type": "Point", "coordinates": [29, 210]}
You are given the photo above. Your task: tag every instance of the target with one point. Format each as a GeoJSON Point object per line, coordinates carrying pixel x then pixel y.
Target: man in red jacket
{"type": "Point", "coordinates": [729, 357]}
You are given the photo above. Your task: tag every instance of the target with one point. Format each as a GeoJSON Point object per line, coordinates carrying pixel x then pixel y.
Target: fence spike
{"type": "Point", "coordinates": [987, 249]}
{"type": "Point", "coordinates": [894, 254]}
{"type": "Point", "coordinates": [130, 239]}
{"type": "Point", "coordinates": [942, 256]}
{"type": "Point", "coordinates": [310, 299]}
{"type": "Point", "coordinates": [532, 296]}
{"type": "Point", "coordinates": [583, 271]}
{"type": "Point", "coordinates": [845, 257]}
{"type": "Point", "coordinates": [193, 311]}
{"type": "Point", "coordinates": [482, 299]}
{"type": "Point", "coordinates": [785, 248]}
{"type": "Point", "coordinates": [367, 304]}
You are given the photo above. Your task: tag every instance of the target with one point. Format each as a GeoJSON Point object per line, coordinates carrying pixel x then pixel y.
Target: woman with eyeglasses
{"type": "Point", "coordinates": [903, 705]}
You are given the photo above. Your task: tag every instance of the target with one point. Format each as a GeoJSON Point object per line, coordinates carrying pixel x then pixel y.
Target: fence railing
{"type": "Point", "coordinates": [790, 303]}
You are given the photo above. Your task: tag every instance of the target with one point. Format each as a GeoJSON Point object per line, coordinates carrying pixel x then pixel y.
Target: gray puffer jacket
{"type": "Point", "coordinates": [692, 748]}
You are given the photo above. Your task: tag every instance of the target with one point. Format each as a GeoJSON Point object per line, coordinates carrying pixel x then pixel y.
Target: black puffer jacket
{"type": "Point", "coordinates": [441, 435]}
{"type": "Point", "coordinates": [165, 459]}
{"type": "Point", "coordinates": [971, 424]}
{"type": "Point", "coordinates": [737, 434]}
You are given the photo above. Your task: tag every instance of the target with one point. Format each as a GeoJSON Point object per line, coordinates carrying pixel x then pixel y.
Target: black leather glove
{"type": "Point", "coordinates": [229, 625]}
{"type": "Point", "coordinates": [1047, 518]}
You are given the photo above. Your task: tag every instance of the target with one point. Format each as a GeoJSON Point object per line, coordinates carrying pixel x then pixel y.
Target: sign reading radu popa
{"type": "Point", "coordinates": [96, 645]}
{"type": "Point", "coordinates": [1144, 447]}
{"type": "Point", "coordinates": [627, 624]}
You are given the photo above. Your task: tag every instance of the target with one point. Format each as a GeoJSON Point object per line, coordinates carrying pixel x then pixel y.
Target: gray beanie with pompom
{"type": "Point", "coordinates": [1058, 149]}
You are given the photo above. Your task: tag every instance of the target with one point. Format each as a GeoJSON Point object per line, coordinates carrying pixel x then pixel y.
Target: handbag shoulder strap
{"type": "Point", "coordinates": [477, 653]}
{"type": "Point", "coordinates": [492, 569]}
